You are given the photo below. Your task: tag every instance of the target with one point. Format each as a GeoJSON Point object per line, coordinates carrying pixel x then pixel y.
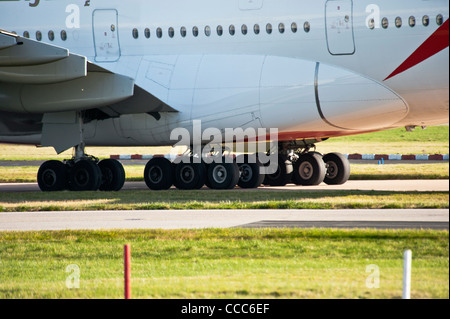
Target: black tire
{"type": "Point", "coordinates": [223, 175]}
{"type": "Point", "coordinates": [309, 170]}
{"type": "Point", "coordinates": [52, 176]}
{"type": "Point", "coordinates": [113, 175]}
{"type": "Point", "coordinates": [159, 174]}
{"type": "Point", "coordinates": [283, 174]}
{"type": "Point", "coordinates": [85, 175]}
{"type": "Point", "coordinates": [338, 169]}
{"type": "Point", "coordinates": [189, 176]}
{"type": "Point", "coordinates": [250, 172]}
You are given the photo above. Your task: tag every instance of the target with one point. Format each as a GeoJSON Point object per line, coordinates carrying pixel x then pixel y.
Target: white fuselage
{"type": "Point", "coordinates": [254, 78]}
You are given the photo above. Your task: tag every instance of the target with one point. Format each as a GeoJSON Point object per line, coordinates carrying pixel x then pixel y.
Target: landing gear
{"type": "Point", "coordinates": [223, 175]}
{"type": "Point", "coordinates": [52, 176]}
{"type": "Point", "coordinates": [297, 163]}
{"type": "Point", "coordinates": [159, 174]}
{"type": "Point", "coordinates": [283, 174]}
{"type": "Point", "coordinates": [190, 176]}
{"type": "Point", "coordinates": [250, 171]}
{"type": "Point", "coordinates": [309, 170]}
{"type": "Point", "coordinates": [81, 173]}
{"type": "Point", "coordinates": [338, 169]}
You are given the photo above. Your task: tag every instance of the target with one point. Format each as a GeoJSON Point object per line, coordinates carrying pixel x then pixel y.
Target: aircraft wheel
{"type": "Point", "coordinates": [189, 176]}
{"type": "Point", "coordinates": [283, 175]}
{"type": "Point", "coordinates": [250, 172]}
{"type": "Point", "coordinates": [113, 175]}
{"type": "Point", "coordinates": [223, 175]}
{"type": "Point", "coordinates": [159, 174]}
{"type": "Point", "coordinates": [338, 169]}
{"type": "Point", "coordinates": [85, 175]}
{"type": "Point", "coordinates": [309, 170]}
{"type": "Point", "coordinates": [52, 176]}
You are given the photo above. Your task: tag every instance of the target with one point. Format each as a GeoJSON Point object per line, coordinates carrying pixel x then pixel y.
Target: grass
{"type": "Point", "coordinates": [211, 199]}
{"type": "Point", "coordinates": [227, 263]}
{"type": "Point", "coordinates": [433, 140]}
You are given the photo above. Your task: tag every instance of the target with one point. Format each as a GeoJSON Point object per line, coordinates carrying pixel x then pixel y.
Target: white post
{"type": "Point", "coordinates": [407, 274]}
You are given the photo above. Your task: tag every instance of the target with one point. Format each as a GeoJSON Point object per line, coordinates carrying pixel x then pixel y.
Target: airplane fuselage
{"type": "Point", "coordinates": [312, 69]}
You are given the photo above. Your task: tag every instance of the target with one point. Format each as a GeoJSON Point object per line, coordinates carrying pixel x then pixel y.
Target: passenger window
{"type": "Point", "coordinates": [195, 31]}
{"type": "Point", "coordinates": [439, 19]}
{"type": "Point", "coordinates": [398, 22]}
{"type": "Point", "coordinates": [135, 33]}
{"type": "Point", "coordinates": [219, 30]}
{"type": "Point", "coordinates": [159, 33]}
{"type": "Point", "coordinates": [307, 26]}
{"type": "Point", "coordinates": [426, 21]}
{"type": "Point", "coordinates": [171, 32]}
{"type": "Point", "coordinates": [372, 24]}
{"type": "Point", "coordinates": [51, 35]}
{"type": "Point", "coordinates": [26, 34]}
{"type": "Point", "coordinates": [63, 35]}
{"type": "Point", "coordinates": [147, 33]}
{"type": "Point", "coordinates": [207, 30]}
{"type": "Point", "coordinates": [39, 35]}
{"type": "Point", "coordinates": [412, 21]}
{"type": "Point", "coordinates": [269, 28]}
{"type": "Point", "coordinates": [183, 32]}
{"type": "Point", "coordinates": [244, 29]}
{"type": "Point", "coordinates": [385, 23]}
{"type": "Point", "coordinates": [232, 30]}
{"type": "Point", "coordinates": [294, 27]}
{"type": "Point", "coordinates": [256, 29]}
{"type": "Point", "coordinates": [281, 28]}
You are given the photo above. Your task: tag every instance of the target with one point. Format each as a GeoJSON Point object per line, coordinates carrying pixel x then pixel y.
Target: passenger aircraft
{"type": "Point", "coordinates": [122, 73]}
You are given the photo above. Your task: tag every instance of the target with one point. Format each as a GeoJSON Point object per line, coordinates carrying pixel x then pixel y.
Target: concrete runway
{"type": "Point", "coordinates": [391, 185]}
{"type": "Point", "coordinates": [200, 219]}
{"type": "Point", "coordinates": [195, 219]}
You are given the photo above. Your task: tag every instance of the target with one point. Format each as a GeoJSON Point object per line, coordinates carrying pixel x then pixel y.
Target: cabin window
{"type": "Point", "coordinates": [135, 33]}
{"type": "Point", "coordinates": [256, 29]}
{"type": "Point", "coordinates": [372, 24]}
{"type": "Point", "coordinates": [171, 32]}
{"type": "Point", "coordinates": [426, 21]}
{"type": "Point", "coordinates": [385, 23]}
{"type": "Point", "coordinates": [439, 19]}
{"type": "Point", "coordinates": [232, 30]}
{"type": "Point", "coordinates": [63, 35]}
{"type": "Point", "coordinates": [183, 32]}
{"type": "Point", "coordinates": [39, 35]}
{"type": "Point", "coordinates": [269, 28]}
{"type": "Point", "coordinates": [51, 35]}
{"type": "Point", "coordinates": [281, 28]}
{"type": "Point", "coordinates": [294, 27]}
{"type": "Point", "coordinates": [195, 31]}
{"type": "Point", "coordinates": [412, 21]}
{"type": "Point", "coordinates": [307, 27]}
{"type": "Point", "coordinates": [147, 33]}
{"type": "Point", "coordinates": [219, 30]}
{"type": "Point", "coordinates": [26, 34]}
{"type": "Point", "coordinates": [207, 30]}
{"type": "Point", "coordinates": [398, 22]}
{"type": "Point", "coordinates": [159, 33]}
{"type": "Point", "coordinates": [244, 29]}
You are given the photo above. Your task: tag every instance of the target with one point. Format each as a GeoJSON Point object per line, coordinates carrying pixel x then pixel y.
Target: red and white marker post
{"type": "Point", "coordinates": [127, 270]}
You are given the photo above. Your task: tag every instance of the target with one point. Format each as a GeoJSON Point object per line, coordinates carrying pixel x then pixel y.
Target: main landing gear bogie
{"type": "Point", "coordinates": [87, 174]}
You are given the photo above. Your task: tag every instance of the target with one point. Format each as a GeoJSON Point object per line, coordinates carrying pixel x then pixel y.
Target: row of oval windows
{"type": "Point", "coordinates": [220, 30]}
{"type": "Point", "coordinates": [244, 29]}
{"type": "Point", "coordinates": [412, 21]}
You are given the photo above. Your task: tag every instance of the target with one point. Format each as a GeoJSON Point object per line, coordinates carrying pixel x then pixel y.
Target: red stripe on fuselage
{"type": "Point", "coordinates": [437, 42]}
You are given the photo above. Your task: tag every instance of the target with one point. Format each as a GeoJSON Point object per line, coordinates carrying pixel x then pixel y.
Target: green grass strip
{"type": "Point", "coordinates": [224, 263]}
